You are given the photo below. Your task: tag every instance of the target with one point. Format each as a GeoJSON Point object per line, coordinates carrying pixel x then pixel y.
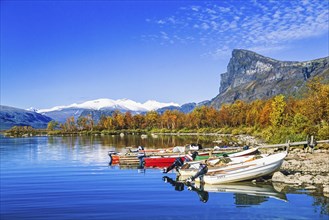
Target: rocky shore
{"type": "Point", "coordinates": [309, 170]}
{"type": "Point", "coordinates": [302, 168]}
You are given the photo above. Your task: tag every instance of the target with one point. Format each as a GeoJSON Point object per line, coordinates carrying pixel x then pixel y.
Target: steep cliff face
{"type": "Point", "coordinates": [251, 76]}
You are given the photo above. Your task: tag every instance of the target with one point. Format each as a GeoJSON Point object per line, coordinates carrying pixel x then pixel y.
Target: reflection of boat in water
{"type": "Point", "coordinates": [247, 188]}
{"type": "Point", "coordinates": [179, 186]}
{"type": "Point", "coordinates": [245, 193]}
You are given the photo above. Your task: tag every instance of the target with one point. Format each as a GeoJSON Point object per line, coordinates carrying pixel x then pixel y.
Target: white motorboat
{"type": "Point", "coordinates": [246, 170]}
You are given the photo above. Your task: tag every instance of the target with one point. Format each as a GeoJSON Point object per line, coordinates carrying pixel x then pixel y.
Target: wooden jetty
{"type": "Point", "coordinates": [308, 144]}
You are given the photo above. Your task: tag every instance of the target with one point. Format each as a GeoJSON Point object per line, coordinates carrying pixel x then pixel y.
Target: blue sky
{"type": "Point", "coordinates": [63, 52]}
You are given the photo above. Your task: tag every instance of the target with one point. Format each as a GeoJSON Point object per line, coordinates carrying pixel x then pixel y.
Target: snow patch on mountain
{"type": "Point", "coordinates": [123, 104]}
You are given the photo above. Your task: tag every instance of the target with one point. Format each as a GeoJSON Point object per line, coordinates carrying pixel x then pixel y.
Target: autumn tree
{"type": "Point", "coordinates": [101, 125]}
{"type": "Point", "coordinates": [69, 124]}
{"type": "Point", "coordinates": [128, 118]}
{"type": "Point", "coordinates": [253, 112]}
{"type": "Point", "coordinates": [151, 119]}
{"type": "Point", "coordinates": [118, 119]}
{"type": "Point", "coordinates": [82, 123]}
{"type": "Point", "coordinates": [109, 123]}
{"type": "Point", "coordinates": [238, 113]}
{"type": "Point", "coordinates": [52, 125]}
{"type": "Point", "coordinates": [316, 103]}
{"type": "Point", "coordinates": [278, 106]}
{"type": "Point", "coordinates": [264, 117]}
{"type": "Point", "coordinates": [224, 115]}
{"type": "Point", "coordinates": [138, 121]}
{"type": "Point", "coordinates": [168, 119]}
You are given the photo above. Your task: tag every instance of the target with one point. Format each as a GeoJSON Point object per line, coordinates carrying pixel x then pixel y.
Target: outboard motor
{"type": "Point", "coordinates": [190, 157]}
{"type": "Point", "coordinates": [194, 146]}
{"type": "Point", "coordinates": [194, 154]}
{"type": "Point", "coordinates": [140, 156]}
{"type": "Point", "coordinates": [203, 169]}
{"type": "Point", "coordinates": [177, 163]}
{"type": "Point", "coordinates": [110, 155]}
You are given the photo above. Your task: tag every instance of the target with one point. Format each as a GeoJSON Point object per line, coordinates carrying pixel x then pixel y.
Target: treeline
{"type": "Point", "coordinates": [276, 120]}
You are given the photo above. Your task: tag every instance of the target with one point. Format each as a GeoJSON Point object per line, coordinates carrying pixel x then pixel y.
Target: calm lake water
{"type": "Point", "coordinates": [70, 178]}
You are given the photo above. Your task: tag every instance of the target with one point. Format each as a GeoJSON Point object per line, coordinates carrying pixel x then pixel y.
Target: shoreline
{"type": "Point", "coordinates": [309, 170]}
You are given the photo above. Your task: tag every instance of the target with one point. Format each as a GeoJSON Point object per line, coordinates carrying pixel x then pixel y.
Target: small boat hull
{"type": "Point", "coordinates": [192, 170]}
{"type": "Point", "coordinates": [160, 162]}
{"type": "Point", "coordinates": [246, 171]}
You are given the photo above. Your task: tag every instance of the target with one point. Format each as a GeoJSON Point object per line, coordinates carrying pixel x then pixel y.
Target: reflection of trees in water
{"type": "Point", "coordinates": [69, 141]}
{"type": "Point", "coordinates": [323, 203]}
{"type": "Point", "coordinates": [320, 202]}
{"type": "Point", "coordinates": [161, 141]}
{"type": "Point", "coordinates": [248, 200]}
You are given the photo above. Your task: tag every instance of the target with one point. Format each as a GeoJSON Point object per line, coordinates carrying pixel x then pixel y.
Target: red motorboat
{"type": "Point", "coordinates": [161, 162]}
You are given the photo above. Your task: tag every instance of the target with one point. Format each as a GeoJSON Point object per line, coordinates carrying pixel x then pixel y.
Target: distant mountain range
{"type": "Point", "coordinates": [106, 107]}
{"type": "Point", "coordinates": [10, 117]}
{"type": "Point", "coordinates": [39, 118]}
{"type": "Point", "coordinates": [110, 104]}
{"type": "Point", "coordinates": [249, 76]}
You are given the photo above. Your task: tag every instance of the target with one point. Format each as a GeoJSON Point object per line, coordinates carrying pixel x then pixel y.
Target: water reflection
{"type": "Point", "coordinates": [141, 170]}
{"type": "Point", "coordinates": [203, 194]}
{"type": "Point", "coordinates": [91, 149]}
{"type": "Point", "coordinates": [244, 193]}
{"type": "Point", "coordinates": [121, 142]}
{"type": "Point", "coordinates": [320, 202]}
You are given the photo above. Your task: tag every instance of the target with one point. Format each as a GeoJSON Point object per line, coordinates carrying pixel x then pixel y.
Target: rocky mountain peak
{"type": "Point", "coordinates": [252, 76]}
{"type": "Point", "coordinates": [247, 57]}
{"type": "Point", "coordinates": [242, 53]}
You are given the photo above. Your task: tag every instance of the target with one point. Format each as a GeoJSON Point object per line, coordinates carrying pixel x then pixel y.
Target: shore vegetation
{"type": "Point", "coordinates": [275, 120]}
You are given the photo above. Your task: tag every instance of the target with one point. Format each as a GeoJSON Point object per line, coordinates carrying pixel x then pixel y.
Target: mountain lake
{"type": "Point", "coordinates": [70, 178]}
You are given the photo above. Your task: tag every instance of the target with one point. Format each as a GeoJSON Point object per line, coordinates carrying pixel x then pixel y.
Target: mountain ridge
{"type": "Point", "coordinates": [104, 103]}
{"type": "Point", "coordinates": [252, 76]}
{"type": "Point", "coordinates": [105, 107]}
{"type": "Point", "coordinates": [11, 116]}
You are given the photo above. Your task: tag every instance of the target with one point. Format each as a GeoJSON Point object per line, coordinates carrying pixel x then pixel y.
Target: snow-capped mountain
{"type": "Point", "coordinates": [96, 108]}
{"type": "Point", "coordinates": [99, 107]}
{"type": "Point", "coordinates": [108, 104]}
